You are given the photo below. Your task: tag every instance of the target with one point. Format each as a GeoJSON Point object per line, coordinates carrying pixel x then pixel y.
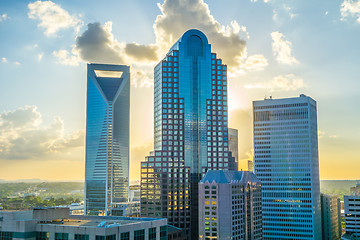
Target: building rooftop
{"type": "Point", "coordinates": [96, 221]}
{"type": "Point", "coordinates": [226, 176]}
{"type": "Point", "coordinates": [60, 216]}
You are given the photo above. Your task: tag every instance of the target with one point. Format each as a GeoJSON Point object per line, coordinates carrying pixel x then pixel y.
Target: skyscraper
{"type": "Point", "coordinates": [230, 206]}
{"type": "Point", "coordinates": [233, 147]}
{"type": "Point", "coordinates": [107, 137]}
{"type": "Point", "coordinates": [287, 164]}
{"type": "Point", "coordinates": [191, 132]}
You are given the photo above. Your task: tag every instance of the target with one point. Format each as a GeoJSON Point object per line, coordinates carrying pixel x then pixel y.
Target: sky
{"type": "Point", "coordinates": [272, 48]}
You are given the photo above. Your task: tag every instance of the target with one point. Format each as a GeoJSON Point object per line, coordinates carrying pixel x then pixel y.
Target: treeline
{"type": "Point", "coordinates": [44, 189]}
{"type": "Point", "coordinates": [30, 202]}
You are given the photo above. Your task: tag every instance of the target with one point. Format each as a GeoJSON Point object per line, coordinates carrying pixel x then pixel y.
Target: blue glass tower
{"type": "Point", "coordinates": [107, 137]}
{"type": "Point", "coordinates": [287, 164]}
{"type": "Point", "coordinates": [190, 131]}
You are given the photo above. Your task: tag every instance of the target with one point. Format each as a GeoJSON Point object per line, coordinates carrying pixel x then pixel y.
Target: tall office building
{"type": "Point", "coordinates": [330, 217]}
{"type": "Point", "coordinates": [230, 206]}
{"type": "Point", "coordinates": [233, 148]}
{"type": "Point", "coordinates": [191, 131]}
{"type": "Point", "coordinates": [107, 137]}
{"type": "Point", "coordinates": [287, 164]}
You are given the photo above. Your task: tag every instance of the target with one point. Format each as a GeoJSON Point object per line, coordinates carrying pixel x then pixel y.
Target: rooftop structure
{"type": "Point", "coordinates": [57, 224]}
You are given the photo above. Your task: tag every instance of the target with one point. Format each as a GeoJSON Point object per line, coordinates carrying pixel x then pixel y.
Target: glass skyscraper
{"type": "Point", "coordinates": [190, 131]}
{"type": "Point", "coordinates": [287, 164]}
{"type": "Point", "coordinates": [107, 137]}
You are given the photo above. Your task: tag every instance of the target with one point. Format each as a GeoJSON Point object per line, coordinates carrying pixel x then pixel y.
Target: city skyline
{"type": "Point", "coordinates": [42, 119]}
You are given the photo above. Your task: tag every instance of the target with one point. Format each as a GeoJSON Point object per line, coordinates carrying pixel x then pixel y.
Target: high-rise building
{"type": "Point", "coordinates": [107, 137]}
{"type": "Point", "coordinates": [233, 148]}
{"type": "Point", "coordinates": [230, 206]}
{"type": "Point", "coordinates": [352, 217]}
{"type": "Point", "coordinates": [330, 217]}
{"type": "Point", "coordinates": [191, 131]}
{"type": "Point", "coordinates": [250, 166]}
{"type": "Point", "coordinates": [287, 164]}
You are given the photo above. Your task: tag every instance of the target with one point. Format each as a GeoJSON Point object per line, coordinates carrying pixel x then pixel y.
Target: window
{"type": "Point", "coordinates": [42, 236]}
{"type": "Point", "coordinates": [152, 233]}
{"type": "Point", "coordinates": [61, 236]}
{"type": "Point", "coordinates": [109, 237]}
{"type": "Point", "coordinates": [81, 237]}
{"type": "Point", "coordinates": [139, 235]}
{"type": "Point", "coordinates": [6, 235]}
{"type": "Point", "coordinates": [125, 236]}
{"type": "Point", "coordinates": [163, 233]}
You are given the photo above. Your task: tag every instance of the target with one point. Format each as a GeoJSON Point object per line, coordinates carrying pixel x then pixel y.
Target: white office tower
{"type": "Point", "coordinates": [230, 206]}
{"type": "Point", "coordinates": [287, 164]}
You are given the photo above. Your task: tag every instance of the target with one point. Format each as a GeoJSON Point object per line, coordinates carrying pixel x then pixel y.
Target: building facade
{"type": "Point", "coordinates": [230, 206]}
{"type": "Point", "coordinates": [250, 166]}
{"type": "Point", "coordinates": [57, 224]}
{"type": "Point", "coordinates": [233, 147]}
{"type": "Point", "coordinates": [355, 190]}
{"type": "Point", "coordinates": [107, 137]}
{"type": "Point", "coordinates": [190, 131]}
{"type": "Point", "coordinates": [330, 217]}
{"type": "Point", "coordinates": [287, 164]}
{"type": "Point", "coordinates": [352, 216]}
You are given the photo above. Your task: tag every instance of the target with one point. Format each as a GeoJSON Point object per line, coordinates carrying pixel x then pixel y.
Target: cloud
{"type": "Point", "coordinates": [255, 62]}
{"type": "Point", "coordinates": [40, 56]}
{"type": "Point", "coordinates": [180, 15]}
{"type": "Point", "coordinates": [321, 134]}
{"type": "Point", "coordinates": [141, 52]}
{"type": "Point", "coordinates": [98, 44]}
{"type": "Point", "coordinates": [288, 82]}
{"type": "Point", "coordinates": [350, 8]}
{"type": "Point", "coordinates": [65, 58]}
{"type": "Point", "coordinates": [22, 136]}
{"type": "Point", "coordinates": [282, 49]}
{"type": "Point", "coordinates": [3, 17]}
{"type": "Point", "coordinates": [52, 17]}
{"type": "Point", "coordinates": [17, 63]}
{"type": "Point", "coordinates": [4, 60]}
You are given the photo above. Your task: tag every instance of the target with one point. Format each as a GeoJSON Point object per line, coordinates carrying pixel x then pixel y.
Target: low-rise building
{"type": "Point", "coordinates": [126, 209]}
{"type": "Point", "coordinates": [58, 224]}
{"type": "Point", "coordinates": [230, 206]}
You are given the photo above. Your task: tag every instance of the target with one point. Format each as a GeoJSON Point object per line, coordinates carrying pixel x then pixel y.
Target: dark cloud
{"type": "Point", "coordinates": [97, 44]}
{"type": "Point", "coordinates": [141, 52]}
